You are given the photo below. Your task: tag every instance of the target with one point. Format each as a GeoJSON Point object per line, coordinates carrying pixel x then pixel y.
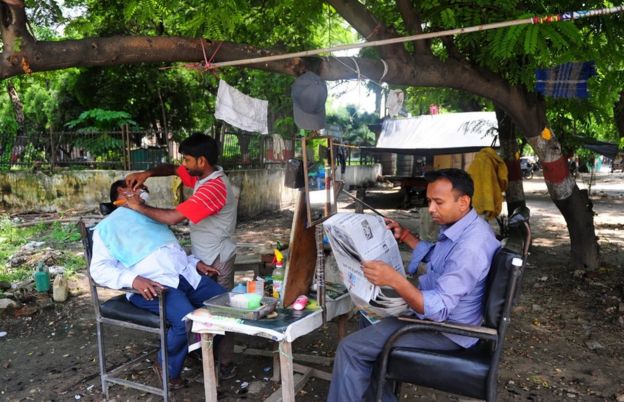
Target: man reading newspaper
{"type": "Point", "coordinates": [451, 289]}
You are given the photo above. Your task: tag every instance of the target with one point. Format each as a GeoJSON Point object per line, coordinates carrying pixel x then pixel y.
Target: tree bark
{"type": "Point", "coordinates": [618, 115]}
{"type": "Point", "coordinates": [20, 139]}
{"type": "Point", "coordinates": [579, 216]}
{"type": "Point", "coordinates": [509, 149]}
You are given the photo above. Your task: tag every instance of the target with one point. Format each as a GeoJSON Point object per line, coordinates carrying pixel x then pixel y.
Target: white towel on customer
{"type": "Point", "coordinates": [240, 110]}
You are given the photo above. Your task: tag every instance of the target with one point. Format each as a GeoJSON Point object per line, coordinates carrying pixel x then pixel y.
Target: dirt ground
{"type": "Point", "coordinates": [564, 343]}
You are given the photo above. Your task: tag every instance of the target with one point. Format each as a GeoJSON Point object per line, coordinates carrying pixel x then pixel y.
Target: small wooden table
{"type": "Point", "coordinates": [288, 326]}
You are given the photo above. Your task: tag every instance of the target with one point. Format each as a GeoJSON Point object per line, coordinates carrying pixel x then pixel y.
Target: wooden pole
{"type": "Point", "coordinates": [429, 35]}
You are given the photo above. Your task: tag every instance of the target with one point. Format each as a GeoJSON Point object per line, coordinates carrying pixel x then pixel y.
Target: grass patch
{"type": "Point", "coordinates": [61, 237]}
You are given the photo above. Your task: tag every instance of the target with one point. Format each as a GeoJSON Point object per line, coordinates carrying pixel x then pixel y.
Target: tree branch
{"type": "Point", "coordinates": [413, 24]}
{"type": "Point", "coordinates": [368, 26]}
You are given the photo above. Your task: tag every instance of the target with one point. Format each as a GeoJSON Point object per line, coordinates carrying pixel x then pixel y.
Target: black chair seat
{"type": "Point", "coordinates": [468, 368]}
{"type": "Point", "coordinates": [120, 308]}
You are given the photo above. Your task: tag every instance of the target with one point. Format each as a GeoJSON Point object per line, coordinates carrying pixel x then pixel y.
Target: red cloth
{"type": "Point", "coordinates": [207, 200]}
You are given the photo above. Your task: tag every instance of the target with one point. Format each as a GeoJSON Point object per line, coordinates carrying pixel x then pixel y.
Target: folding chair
{"type": "Point", "coordinates": [120, 312]}
{"type": "Point", "coordinates": [470, 372]}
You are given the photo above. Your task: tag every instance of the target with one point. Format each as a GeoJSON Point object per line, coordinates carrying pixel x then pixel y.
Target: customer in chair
{"type": "Point", "coordinates": [451, 289]}
{"type": "Point", "coordinates": [133, 251]}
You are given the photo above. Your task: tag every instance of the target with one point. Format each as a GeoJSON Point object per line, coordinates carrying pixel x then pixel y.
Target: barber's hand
{"type": "Point", "coordinates": [397, 230]}
{"type": "Point", "coordinates": [149, 289]}
{"type": "Point", "coordinates": [133, 200]}
{"type": "Point", "coordinates": [136, 179]}
{"type": "Point", "coordinates": [205, 269]}
{"type": "Point", "coordinates": [379, 273]}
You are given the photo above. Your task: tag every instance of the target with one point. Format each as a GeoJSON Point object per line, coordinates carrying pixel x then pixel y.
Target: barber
{"type": "Point", "coordinates": [211, 211]}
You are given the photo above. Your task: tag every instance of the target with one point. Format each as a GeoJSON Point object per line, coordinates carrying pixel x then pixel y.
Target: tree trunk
{"type": "Point", "coordinates": [618, 115]}
{"type": "Point", "coordinates": [578, 213]}
{"type": "Point", "coordinates": [20, 141]}
{"type": "Point", "coordinates": [574, 204]}
{"type": "Point", "coordinates": [509, 150]}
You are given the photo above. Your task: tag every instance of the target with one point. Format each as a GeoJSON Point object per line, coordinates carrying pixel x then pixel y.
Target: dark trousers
{"type": "Point", "coordinates": [178, 303]}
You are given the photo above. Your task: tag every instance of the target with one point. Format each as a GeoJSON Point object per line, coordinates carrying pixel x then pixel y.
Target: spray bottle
{"type": "Point", "coordinates": [278, 274]}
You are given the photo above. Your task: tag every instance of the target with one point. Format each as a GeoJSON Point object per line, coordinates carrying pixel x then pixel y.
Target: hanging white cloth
{"type": "Point", "coordinates": [395, 102]}
{"type": "Point", "coordinates": [278, 147]}
{"type": "Point", "coordinates": [240, 110]}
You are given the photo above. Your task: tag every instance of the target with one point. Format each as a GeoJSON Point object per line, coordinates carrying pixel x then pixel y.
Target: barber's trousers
{"type": "Point", "coordinates": [353, 378]}
{"type": "Point", "coordinates": [178, 303]}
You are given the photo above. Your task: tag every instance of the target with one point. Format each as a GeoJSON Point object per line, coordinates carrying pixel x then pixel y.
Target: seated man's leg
{"type": "Point", "coordinates": [355, 358]}
{"type": "Point", "coordinates": [177, 306]}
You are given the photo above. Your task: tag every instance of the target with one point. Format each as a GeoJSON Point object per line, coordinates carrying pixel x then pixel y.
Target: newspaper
{"type": "Point", "coordinates": [360, 237]}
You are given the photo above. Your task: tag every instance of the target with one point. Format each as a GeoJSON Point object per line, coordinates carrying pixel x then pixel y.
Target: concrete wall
{"type": "Point", "coordinates": [261, 190]}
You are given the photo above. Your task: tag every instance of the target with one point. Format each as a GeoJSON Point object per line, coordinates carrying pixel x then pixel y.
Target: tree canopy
{"type": "Point", "coordinates": [495, 66]}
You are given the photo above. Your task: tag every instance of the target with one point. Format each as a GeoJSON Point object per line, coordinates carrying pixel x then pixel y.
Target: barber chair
{"type": "Point", "coordinates": [469, 372]}
{"type": "Point", "coordinates": [118, 311]}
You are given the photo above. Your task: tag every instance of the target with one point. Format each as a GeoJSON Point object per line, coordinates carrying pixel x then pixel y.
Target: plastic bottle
{"type": "Point", "coordinates": [300, 303]}
{"type": "Point", "coordinates": [278, 275]}
{"type": "Point", "coordinates": [260, 286]}
{"type": "Point", "coordinates": [240, 288]}
{"type": "Point", "coordinates": [42, 278]}
{"type": "Point", "coordinates": [320, 178]}
{"type": "Point", "coordinates": [59, 288]}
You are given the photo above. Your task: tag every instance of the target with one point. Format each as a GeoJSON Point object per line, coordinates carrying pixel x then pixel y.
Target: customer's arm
{"type": "Point", "coordinates": [381, 274]}
{"type": "Point", "coordinates": [401, 234]}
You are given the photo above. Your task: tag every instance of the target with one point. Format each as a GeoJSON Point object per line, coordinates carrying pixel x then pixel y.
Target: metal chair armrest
{"type": "Point", "coordinates": [475, 331]}
{"type": "Point", "coordinates": [127, 290]}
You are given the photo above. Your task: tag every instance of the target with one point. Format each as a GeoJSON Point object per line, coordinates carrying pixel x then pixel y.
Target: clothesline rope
{"type": "Point", "coordinates": [568, 16]}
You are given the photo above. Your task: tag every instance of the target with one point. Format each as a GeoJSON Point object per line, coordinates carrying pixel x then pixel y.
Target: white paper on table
{"type": "Point", "coordinates": [204, 322]}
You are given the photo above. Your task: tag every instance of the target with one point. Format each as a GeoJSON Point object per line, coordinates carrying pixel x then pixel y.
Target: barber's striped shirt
{"type": "Point", "coordinates": [207, 200]}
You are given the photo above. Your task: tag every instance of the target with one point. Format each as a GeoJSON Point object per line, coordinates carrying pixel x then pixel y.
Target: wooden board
{"type": "Point", "coordinates": [301, 255]}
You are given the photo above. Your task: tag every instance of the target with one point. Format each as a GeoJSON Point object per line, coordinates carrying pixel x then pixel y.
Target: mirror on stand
{"type": "Point", "coordinates": [319, 178]}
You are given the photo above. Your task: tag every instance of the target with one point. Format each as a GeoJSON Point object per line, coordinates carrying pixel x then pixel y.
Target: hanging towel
{"type": "Point", "coordinates": [240, 110]}
{"type": "Point", "coordinates": [395, 102]}
{"type": "Point", "coordinates": [278, 147]}
{"type": "Point", "coordinates": [489, 173]}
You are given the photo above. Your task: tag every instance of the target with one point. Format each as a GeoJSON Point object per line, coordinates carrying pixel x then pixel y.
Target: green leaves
{"type": "Point", "coordinates": [100, 119]}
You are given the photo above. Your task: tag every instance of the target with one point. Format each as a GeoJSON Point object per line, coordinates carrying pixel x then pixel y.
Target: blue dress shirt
{"type": "Point", "coordinates": [457, 267]}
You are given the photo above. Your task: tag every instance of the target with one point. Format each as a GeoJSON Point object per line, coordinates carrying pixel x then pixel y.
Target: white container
{"type": "Point", "coordinates": [59, 289]}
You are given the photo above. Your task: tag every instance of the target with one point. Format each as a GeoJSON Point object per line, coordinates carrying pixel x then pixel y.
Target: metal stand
{"type": "Point", "coordinates": [320, 271]}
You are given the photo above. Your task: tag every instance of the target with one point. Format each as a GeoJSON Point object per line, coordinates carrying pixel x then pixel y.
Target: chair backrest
{"type": "Point", "coordinates": [500, 286]}
{"type": "Point", "coordinates": [86, 234]}
{"type": "Point", "coordinates": [519, 231]}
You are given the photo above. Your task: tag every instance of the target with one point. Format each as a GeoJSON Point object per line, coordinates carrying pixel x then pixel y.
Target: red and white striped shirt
{"type": "Point", "coordinates": [207, 200]}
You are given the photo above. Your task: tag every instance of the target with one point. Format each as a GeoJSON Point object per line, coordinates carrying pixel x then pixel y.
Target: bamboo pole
{"type": "Point", "coordinates": [568, 16]}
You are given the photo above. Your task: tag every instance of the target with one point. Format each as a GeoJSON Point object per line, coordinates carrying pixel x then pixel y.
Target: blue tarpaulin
{"type": "Point", "coordinates": [566, 80]}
